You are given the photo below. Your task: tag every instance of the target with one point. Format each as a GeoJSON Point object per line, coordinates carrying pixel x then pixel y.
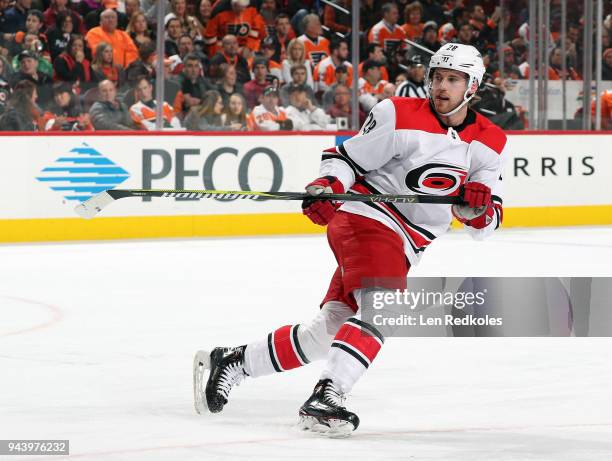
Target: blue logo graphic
{"type": "Point", "coordinates": [83, 173]}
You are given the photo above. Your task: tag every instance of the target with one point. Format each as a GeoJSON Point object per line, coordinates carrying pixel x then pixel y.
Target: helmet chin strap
{"type": "Point", "coordinates": [466, 99]}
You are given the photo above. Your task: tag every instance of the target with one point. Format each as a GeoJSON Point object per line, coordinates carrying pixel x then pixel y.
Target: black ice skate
{"type": "Point", "coordinates": [323, 412]}
{"type": "Point", "coordinates": [225, 366]}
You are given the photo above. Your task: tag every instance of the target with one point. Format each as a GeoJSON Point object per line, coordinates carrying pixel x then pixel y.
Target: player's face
{"type": "Point", "coordinates": [447, 89]}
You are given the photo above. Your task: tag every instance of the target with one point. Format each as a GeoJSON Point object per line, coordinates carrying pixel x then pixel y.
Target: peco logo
{"type": "Point", "coordinates": [158, 164]}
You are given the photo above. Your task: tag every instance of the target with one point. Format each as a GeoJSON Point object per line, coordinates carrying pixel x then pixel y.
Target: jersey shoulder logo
{"type": "Point", "coordinates": [436, 179]}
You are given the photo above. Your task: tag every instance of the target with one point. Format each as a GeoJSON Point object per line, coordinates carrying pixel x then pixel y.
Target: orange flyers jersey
{"type": "Point", "coordinates": [315, 51]}
{"type": "Point", "coordinates": [367, 87]}
{"type": "Point", "coordinates": [389, 38]}
{"type": "Point", "coordinates": [261, 119]}
{"type": "Point", "coordinates": [325, 73]}
{"type": "Point", "coordinates": [144, 116]}
{"type": "Point", "coordinates": [383, 72]}
{"type": "Point", "coordinates": [249, 27]}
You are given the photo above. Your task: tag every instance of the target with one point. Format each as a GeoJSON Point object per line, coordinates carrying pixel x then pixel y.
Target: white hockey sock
{"type": "Point", "coordinates": [292, 346]}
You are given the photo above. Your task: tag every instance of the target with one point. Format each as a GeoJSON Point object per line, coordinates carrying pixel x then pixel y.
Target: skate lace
{"type": "Point", "coordinates": [231, 376]}
{"type": "Point", "coordinates": [333, 395]}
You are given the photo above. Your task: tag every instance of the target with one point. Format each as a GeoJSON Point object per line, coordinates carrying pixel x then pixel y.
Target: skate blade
{"type": "Point", "coordinates": [201, 370]}
{"type": "Point", "coordinates": [332, 428]}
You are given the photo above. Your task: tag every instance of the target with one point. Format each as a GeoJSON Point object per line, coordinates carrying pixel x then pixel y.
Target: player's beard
{"type": "Point", "coordinates": [444, 106]}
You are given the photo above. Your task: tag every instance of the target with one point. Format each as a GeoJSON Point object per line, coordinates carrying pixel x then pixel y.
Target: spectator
{"type": "Point", "coordinates": [325, 72]}
{"type": "Point", "coordinates": [341, 79]}
{"type": "Point", "coordinates": [28, 65]}
{"type": "Point", "coordinates": [388, 91]}
{"type": "Point", "coordinates": [72, 66]}
{"type": "Point", "coordinates": [33, 26]}
{"type": "Point", "coordinates": [132, 7]}
{"type": "Point", "coordinates": [104, 68]}
{"type": "Point", "coordinates": [606, 70]}
{"type": "Point", "coordinates": [336, 20]}
{"type": "Point", "coordinates": [124, 50]}
{"type": "Point", "coordinates": [189, 24]}
{"type": "Point", "coordinates": [267, 52]}
{"type": "Point", "coordinates": [303, 113]}
{"type": "Point", "coordinates": [185, 47]}
{"type": "Point", "coordinates": [465, 36]}
{"type": "Point", "coordinates": [267, 10]}
{"type": "Point", "coordinates": [143, 66]}
{"type": "Point", "coordinates": [268, 116]}
{"type": "Point", "coordinates": [59, 35]}
{"type": "Point", "coordinates": [429, 41]}
{"type": "Point", "coordinates": [5, 86]}
{"type": "Point", "coordinates": [511, 70]}
{"type": "Point", "coordinates": [228, 54]}
{"type": "Point", "coordinates": [143, 112]}
{"type": "Point", "coordinates": [93, 18]}
{"type": "Point", "coordinates": [400, 78]}
{"type": "Point", "coordinates": [203, 14]}
{"type": "Point", "coordinates": [65, 113]}
{"type": "Point", "coordinates": [138, 29]}
{"type": "Point", "coordinates": [554, 70]}
{"type": "Point", "coordinates": [341, 108]}
{"type": "Point", "coordinates": [386, 32]}
{"type": "Point", "coordinates": [485, 29]}
{"type": "Point", "coordinates": [173, 33]}
{"type": "Point", "coordinates": [242, 20]}
{"type": "Point", "coordinates": [15, 17]}
{"type": "Point", "coordinates": [298, 78]}
{"type": "Point", "coordinates": [32, 44]}
{"type": "Point", "coordinates": [413, 26]}
{"type": "Point", "coordinates": [375, 53]}
{"type": "Point", "coordinates": [108, 113]}
{"type": "Point", "coordinates": [21, 112]}
{"type": "Point", "coordinates": [316, 47]}
{"type": "Point", "coordinates": [63, 6]}
{"type": "Point", "coordinates": [229, 84]}
{"type": "Point", "coordinates": [414, 86]}
{"type": "Point", "coordinates": [371, 86]}
{"type": "Point", "coordinates": [433, 11]}
{"type": "Point", "coordinates": [235, 115]}
{"type": "Point", "coordinates": [193, 84]}
{"type": "Point", "coordinates": [296, 55]}
{"type": "Point", "coordinates": [282, 35]}
{"type": "Point", "coordinates": [255, 88]}
{"type": "Point", "coordinates": [207, 115]}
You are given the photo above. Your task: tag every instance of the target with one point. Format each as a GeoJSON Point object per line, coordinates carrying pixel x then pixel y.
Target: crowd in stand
{"type": "Point", "coordinates": [237, 65]}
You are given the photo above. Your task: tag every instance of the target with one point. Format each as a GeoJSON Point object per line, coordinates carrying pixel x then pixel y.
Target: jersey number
{"type": "Point", "coordinates": [369, 124]}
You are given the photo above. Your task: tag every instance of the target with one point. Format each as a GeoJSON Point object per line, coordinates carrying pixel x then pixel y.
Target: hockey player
{"type": "Point", "coordinates": [434, 146]}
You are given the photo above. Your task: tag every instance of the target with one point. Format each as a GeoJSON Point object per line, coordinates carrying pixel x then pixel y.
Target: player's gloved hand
{"type": "Point", "coordinates": [477, 212]}
{"type": "Point", "coordinates": [321, 212]}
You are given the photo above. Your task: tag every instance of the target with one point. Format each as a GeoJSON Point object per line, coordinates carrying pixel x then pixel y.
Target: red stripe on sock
{"type": "Point", "coordinates": [287, 357]}
{"type": "Point", "coordinates": [359, 339]}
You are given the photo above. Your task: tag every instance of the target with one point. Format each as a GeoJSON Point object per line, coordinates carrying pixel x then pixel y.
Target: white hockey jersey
{"type": "Point", "coordinates": [404, 148]}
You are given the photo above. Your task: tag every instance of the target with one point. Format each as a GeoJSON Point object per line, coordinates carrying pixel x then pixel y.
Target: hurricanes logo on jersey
{"type": "Point", "coordinates": [436, 179]}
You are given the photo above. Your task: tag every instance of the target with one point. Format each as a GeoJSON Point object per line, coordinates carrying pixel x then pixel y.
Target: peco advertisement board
{"type": "Point", "coordinates": [549, 180]}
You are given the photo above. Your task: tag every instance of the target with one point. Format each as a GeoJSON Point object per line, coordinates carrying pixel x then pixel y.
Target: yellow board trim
{"type": "Point", "coordinates": [139, 227]}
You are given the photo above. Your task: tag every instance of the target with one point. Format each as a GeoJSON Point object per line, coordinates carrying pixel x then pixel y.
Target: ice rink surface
{"type": "Point", "coordinates": [97, 340]}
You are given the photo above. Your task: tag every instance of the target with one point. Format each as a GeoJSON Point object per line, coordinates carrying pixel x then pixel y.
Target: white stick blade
{"type": "Point", "coordinates": [89, 208]}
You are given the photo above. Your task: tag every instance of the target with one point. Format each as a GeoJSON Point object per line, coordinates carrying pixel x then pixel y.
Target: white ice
{"type": "Point", "coordinates": [97, 339]}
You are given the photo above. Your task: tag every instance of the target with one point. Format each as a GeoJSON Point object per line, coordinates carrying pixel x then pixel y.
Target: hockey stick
{"type": "Point", "coordinates": [98, 202]}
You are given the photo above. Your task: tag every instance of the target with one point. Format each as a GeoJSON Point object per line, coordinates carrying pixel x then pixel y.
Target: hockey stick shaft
{"type": "Point", "coordinates": [94, 205]}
